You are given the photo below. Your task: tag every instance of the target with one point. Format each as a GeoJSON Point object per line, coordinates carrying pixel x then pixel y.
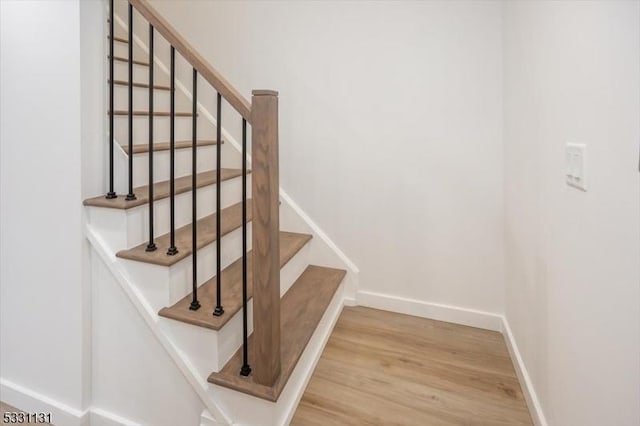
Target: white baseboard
{"type": "Point", "coordinates": [315, 347]}
{"type": "Point", "coordinates": [535, 409]}
{"type": "Point", "coordinates": [30, 401]}
{"type": "Point", "coordinates": [206, 419]}
{"type": "Point", "coordinates": [100, 417]}
{"type": "Point", "coordinates": [436, 311]}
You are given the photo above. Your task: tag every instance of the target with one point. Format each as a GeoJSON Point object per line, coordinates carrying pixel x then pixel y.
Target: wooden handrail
{"type": "Point", "coordinates": [226, 90]}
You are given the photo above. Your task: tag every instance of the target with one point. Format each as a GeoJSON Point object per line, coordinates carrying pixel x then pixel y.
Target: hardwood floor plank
{"type": "Point", "coordinates": [383, 368]}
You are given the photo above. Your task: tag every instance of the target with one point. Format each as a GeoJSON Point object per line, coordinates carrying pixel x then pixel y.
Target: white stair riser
{"type": "Point", "coordinates": [121, 71]}
{"type": "Point", "coordinates": [161, 129]}
{"type": "Point", "coordinates": [221, 345]}
{"type": "Point", "coordinates": [124, 229]}
{"type": "Point", "coordinates": [209, 349]}
{"type": "Point", "coordinates": [141, 94]}
{"type": "Point", "coordinates": [164, 285]}
{"type": "Point", "coordinates": [141, 75]}
{"type": "Point", "coordinates": [206, 160]}
{"type": "Point", "coordinates": [161, 98]}
{"type": "Point", "coordinates": [138, 217]}
{"type": "Point", "coordinates": [151, 281]}
{"type": "Point", "coordinates": [122, 49]}
{"type": "Point", "coordinates": [180, 274]}
{"type": "Point", "coordinates": [161, 164]}
{"type": "Point", "coordinates": [110, 224]}
{"type": "Point", "coordinates": [290, 272]}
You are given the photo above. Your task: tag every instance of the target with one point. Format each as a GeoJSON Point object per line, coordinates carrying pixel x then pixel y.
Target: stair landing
{"type": "Point", "coordinates": [301, 309]}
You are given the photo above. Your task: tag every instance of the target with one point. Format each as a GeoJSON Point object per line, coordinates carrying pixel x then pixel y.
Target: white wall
{"type": "Point", "coordinates": [390, 129]}
{"type": "Point", "coordinates": [41, 291]}
{"type": "Point", "coordinates": [392, 140]}
{"type": "Point", "coordinates": [572, 72]}
{"type": "Point", "coordinates": [133, 376]}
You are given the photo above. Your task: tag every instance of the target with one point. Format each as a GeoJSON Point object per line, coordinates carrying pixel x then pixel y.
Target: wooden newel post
{"type": "Point", "coordinates": [266, 238]}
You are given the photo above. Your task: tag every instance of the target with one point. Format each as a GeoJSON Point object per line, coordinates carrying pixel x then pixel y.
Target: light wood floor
{"type": "Point", "coordinates": [382, 368]}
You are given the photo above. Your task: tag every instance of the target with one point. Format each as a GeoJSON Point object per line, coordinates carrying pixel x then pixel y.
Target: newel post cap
{"type": "Point", "coordinates": [264, 92]}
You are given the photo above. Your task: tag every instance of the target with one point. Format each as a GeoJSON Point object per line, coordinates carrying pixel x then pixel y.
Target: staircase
{"type": "Point", "coordinates": [194, 236]}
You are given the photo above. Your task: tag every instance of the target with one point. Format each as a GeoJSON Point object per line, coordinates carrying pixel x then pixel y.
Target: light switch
{"type": "Point", "coordinates": [576, 165]}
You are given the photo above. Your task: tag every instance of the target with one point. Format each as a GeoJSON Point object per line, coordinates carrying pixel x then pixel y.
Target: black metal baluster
{"type": "Point", "coordinates": [172, 148]}
{"type": "Point", "coordinates": [218, 310]}
{"type": "Point", "coordinates": [246, 369]}
{"type": "Point", "coordinates": [111, 194]}
{"type": "Point", "coordinates": [130, 196]}
{"type": "Point", "coordinates": [195, 305]}
{"type": "Point", "coordinates": [152, 245]}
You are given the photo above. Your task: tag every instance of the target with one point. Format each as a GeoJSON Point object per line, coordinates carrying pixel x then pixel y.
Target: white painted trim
{"type": "Point", "coordinates": [436, 311]}
{"type": "Point", "coordinates": [319, 232]}
{"type": "Point", "coordinates": [34, 402]}
{"type": "Point", "coordinates": [206, 419]}
{"type": "Point", "coordinates": [30, 401]}
{"type": "Point", "coordinates": [151, 319]}
{"type": "Point", "coordinates": [318, 349]}
{"type": "Point", "coordinates": [535, 408]}
{"type": "Point", "coordinates": [100, 417]}
{"type": "Point", "coordinates": [350, 301]}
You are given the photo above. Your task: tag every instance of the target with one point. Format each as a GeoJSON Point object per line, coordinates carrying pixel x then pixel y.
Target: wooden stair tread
{"type": "Point", "coordinates": [119, 39]}
{"type": "Point", "coordinates": [135, 61]}
{"type": "Point", "coordinates": [165, 146]}
{"type": "Point", "coordinates": [231, 219]}
{"type": "Point", "coordinates": [231, 287]}
{"type": "Point", "coordinates": [143, 85]}
{"type": "Point", "coordinates": [155, 113]}
{"type": "Point", "coordinates": [161, 190]}
{"type": "Point", "coordinates": [301, 309]}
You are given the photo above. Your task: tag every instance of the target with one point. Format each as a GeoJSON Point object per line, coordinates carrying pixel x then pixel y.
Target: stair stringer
{"type": "Point", "coordinates": [225, 406]}
{"type": "Point", "coordinates": [117, 269]}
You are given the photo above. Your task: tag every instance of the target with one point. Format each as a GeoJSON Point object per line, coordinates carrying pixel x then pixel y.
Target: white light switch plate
{"type": "Point", "coordinates": [576, 165]}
